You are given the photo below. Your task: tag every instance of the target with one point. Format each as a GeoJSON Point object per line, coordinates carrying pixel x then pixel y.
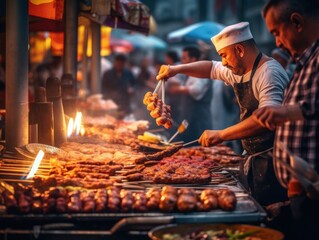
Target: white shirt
{"type": "Point", "coordinates": [197, 87]}
{"type": "Point", "coordinates": [268, 83]}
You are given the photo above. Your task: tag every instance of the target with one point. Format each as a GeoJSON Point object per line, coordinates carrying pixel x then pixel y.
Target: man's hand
{"type": "Point", "coordinates": [271, 117]}
{"type": "Point", "coordinates": [210, 138]}
{"type": "Point", "coordinates": [166, 72]}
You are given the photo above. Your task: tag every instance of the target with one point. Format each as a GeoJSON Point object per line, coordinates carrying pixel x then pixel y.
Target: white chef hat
{"type": "Point", "coordinates": [232, 34]}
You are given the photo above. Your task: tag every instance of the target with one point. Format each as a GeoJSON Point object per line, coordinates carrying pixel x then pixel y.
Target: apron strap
{"type": "Point", "coordinates": [250, 157]}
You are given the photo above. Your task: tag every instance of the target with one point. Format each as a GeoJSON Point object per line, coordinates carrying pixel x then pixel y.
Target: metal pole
{"type": "Point", "coordinates": [17, 34]}
{"type": "Point", "coordinates": [96, 58]}
{"type": "Point", "coordinates": [84, 85]}
{"type": "Point", "coordinates": [70, 38]}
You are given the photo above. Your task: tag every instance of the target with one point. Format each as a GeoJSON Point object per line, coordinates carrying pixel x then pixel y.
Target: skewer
{"type": "Point", "coordinates": [163, 91]}
{"type": "Point", "coordinates": [189, 143]}
{"type": "Point", "coordinates": [16, 180]}
{"type": "Point", "coordinates": [159, 84]}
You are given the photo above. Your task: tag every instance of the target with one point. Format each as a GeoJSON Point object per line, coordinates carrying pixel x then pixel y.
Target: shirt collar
{"type": "Point", "coordinates": [308, 52]}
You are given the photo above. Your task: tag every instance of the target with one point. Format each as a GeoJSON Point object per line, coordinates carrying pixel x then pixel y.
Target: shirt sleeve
{"type": "Point", "coordinates": [270, 85]}
{"type": "Point", "coordinates": [222, 73]}
{"type": "Point", "coordinates": [197, 87]}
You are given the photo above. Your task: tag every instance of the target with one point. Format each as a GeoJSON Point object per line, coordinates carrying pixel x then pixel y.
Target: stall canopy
{"type": "Point", "coordinates": [125, 14]}
{"type": "Point", "coordinates": [46, 15]}
{"type": "Point", "coordinates": [202, 31]}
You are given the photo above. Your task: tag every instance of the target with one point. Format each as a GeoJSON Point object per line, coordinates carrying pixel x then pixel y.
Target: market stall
{"type": "Point", "coordinates": [105, 181]}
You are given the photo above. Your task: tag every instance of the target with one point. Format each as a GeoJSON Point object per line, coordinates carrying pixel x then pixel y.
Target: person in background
{"type": "Point", "coordinates": [284, 59]}
{"type": "Point", "coordinates": [195, 99]}
{"type": "Point", "coordinates": [294, 25]}
{"type": "Point", "coordinates": [117, 84]}
{"type": "Point", "coordinates": [225, 111]}
{"type": "Point", "coordinates": [258, 81]}
{"type": "Point", "coordinates": [172, 58]}
{"type": "Point", "coordinates": [145, 81]}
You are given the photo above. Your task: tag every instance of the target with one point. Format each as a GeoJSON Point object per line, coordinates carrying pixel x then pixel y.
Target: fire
{"type": "Point", "coordinates": [77, 123]}
{"type": "Point", "coordinates": [36, 164]}
{"type": "Point", "coordinates": [75, 127]}
{"type": "Point", "coordinates": [70, 127]}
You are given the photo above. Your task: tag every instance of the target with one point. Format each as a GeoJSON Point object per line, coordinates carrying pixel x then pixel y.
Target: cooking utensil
{"type": "Point", "coordinates": [189, 143]}
{"type": "Point", "coordinates": [182, 127]}
{"type": "Point", "coordinates": [47, 149]}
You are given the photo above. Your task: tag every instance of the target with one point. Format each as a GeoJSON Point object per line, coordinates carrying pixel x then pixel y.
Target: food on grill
{"type": "Point", "coordinates": [139, 204]}
{"type": "Point", "coordinates": [150, 137]}
{"type": "Point", "coordinates": [208, 200]}
{"type": "Point", "coordinates": [153, 196]}
{"type": "Point", "coordinates": [134, 177]}
{"type": "Point", "coordinates": [168, 199]}
{"type": "Point", "coordinates": [158, 110]}
{"type": "Point", "coordinates": [227, 200]}
{"type": "Point", "coordinates": [159, 155]}
{"type": "Point", "coordinates": [177, 169]}
{"type": "Point", "coordinates": [100, 200]}
{"type": "Point", "coordinates": [74, 204]}
{"type": "Point", "coordinates": [126, 200]}
{"type": "Point", "coordinates": [114, 199]}
{"type": "Point", "coordinates": [88, 202]}
{"type": "Point", "coordinates": [187, 200]}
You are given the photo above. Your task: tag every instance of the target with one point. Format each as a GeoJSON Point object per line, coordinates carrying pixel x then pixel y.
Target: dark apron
{"type": "Point", "coordinates": [261, 178]}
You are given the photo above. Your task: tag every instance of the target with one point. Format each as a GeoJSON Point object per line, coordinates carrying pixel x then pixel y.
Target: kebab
{"type": "Point", "coordinates": [157, 107]}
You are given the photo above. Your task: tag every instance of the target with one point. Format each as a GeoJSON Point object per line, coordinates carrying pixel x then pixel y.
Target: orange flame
{"type": "Point", "coordinates": [70, 128]}
{"type": "Point", "coordinates": [36, 164]}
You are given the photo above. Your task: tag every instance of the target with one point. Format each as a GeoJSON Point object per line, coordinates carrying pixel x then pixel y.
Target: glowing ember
{"type": "Point", "coordinates": [82, 131]}
{"type": "Point", "coordinates": [36, 164]}
{"type": "Point", "coordinates": [70, 127]}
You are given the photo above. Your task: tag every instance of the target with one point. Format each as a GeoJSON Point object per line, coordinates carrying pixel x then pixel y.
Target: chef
{"type": "Point", "coordinates": [258, 81]}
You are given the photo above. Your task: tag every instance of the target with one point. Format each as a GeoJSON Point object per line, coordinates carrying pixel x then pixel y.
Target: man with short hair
{"type": "Point", "coordinates": [117, 84]}
{"type": "Point", "coordinates": [294, 25]}
{"type": "Point", "coordinates": [195, 98]}
{"type": "Point", "coordinates": [258, 81]}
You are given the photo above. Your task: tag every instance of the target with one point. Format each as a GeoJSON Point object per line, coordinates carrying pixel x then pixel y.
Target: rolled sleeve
{"type": "Point", "coordinates": [270, 86]}
{"type": "Point", "coordinates": [222, 73]}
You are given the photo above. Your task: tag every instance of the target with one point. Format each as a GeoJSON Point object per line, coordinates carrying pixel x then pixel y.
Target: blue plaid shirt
{"type": "Point", "coordinates": [301, 137]}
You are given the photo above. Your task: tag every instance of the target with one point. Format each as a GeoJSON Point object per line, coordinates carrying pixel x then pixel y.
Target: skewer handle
{"type": "Point", "coordinates": [163, 91]}
{"type": "Point", "coordinates": [159, 84]}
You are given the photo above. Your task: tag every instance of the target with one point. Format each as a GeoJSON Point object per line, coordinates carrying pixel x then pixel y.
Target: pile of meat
{"type": "Point", "coordinates": [158, 109]}
{"type": "Point", "coordinates": [113, 199]}
{"type": "Point", "coordinates": [220, 153]}
{"type": "Point", "coordinates": [178, 170]}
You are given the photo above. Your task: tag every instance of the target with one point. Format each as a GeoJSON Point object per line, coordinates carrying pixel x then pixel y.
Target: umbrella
{"type": "Point", "coordinates": [199, 31]}
{"type": "Point", "coordinates": [139, 41]}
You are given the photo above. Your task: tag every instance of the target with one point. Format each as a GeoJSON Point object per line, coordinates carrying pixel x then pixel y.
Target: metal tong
{"type": "Point", "coordinates": [302, 171]}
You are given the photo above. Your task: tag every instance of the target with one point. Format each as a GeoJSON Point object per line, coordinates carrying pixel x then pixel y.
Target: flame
{"type": "Point", "coordinates": [82, 131]}
{"type": "Point", "coordinates": [77, 123]}
{"type": "Point", "coordinates": [70, 127]}
{"type": "Point", "coordinates": [36, 164]}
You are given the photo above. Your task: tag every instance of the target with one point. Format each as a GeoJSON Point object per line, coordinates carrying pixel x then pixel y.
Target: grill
{"type": "Point", "coordinates": [112, 225]}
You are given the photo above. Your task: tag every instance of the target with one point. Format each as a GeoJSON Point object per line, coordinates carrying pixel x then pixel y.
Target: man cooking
{"type": "Point", "coordinates": [258, 81]}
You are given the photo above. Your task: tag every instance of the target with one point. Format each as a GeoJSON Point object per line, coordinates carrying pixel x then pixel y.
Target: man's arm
{"type": "Point", "coordinates": [200, 69]}
{"type": "Point", "coordinates": [247, 128]}
{"type": "Point", "coordinates": [271, 117]}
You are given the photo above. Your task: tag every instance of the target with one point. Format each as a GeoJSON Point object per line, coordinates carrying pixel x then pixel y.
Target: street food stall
{"type": "Point", "coordinates": [116, 178]}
